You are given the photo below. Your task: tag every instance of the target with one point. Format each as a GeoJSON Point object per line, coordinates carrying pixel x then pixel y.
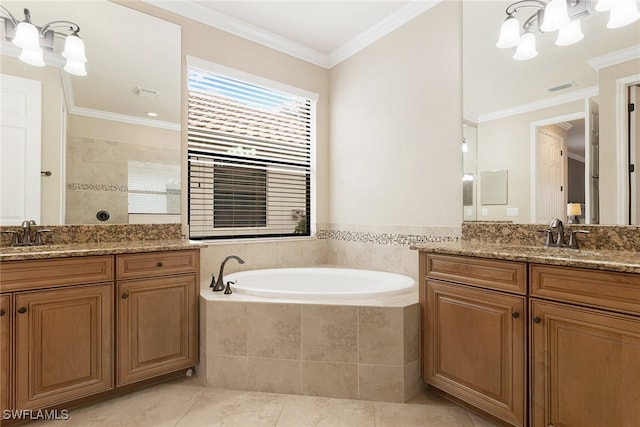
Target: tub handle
{"type": "Point", "coordinates": [227, 289]}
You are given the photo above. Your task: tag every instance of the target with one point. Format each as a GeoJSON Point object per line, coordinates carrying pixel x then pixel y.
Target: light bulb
{"type": "Point", "coordinates": [27, 36]}
{"type": "Point", "coordinates": [75, 67]}
{"type": "Point", "coordinates": [74, 48]}
{"type": "Point", "coordinates": [570, 34]}
{"type": "Point", "coordinates": [556, 15]}
{"type": "Point", "coordinates": [32, 57]}
{"type": "Point", "coordinates": [509, 33]}
{"type": "Point", "coordinates": [526, 47]}
{"type": "Point", "coordinates": [623, 12]}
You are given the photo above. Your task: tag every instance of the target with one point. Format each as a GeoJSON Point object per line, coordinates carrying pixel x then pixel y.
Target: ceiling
{"type": "Point", "coordinates": [324, 33]}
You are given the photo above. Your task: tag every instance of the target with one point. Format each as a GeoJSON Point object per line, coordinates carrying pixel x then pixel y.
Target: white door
{"type": "Point", "coordinates": [20, 111]}
{"type": "Point", "coordinates": [550, 184]}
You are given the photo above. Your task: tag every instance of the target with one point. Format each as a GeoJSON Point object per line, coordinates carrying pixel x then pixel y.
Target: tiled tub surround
{"type": "Point", "coordinates": [358, 349]}
{"type": "Point", "coordinates": [383, 248]}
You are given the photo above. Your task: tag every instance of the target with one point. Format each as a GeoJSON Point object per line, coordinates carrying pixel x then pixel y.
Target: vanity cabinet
{"type": "Point", "coordinates": [572, 361]}
{"type": "Point", "coordinates": [475, 343]}
{"type": "Point", "coordinates": [156, 311]}
{"type": "Point", "coordinates": [585, 347]}
{"type": "Point", "coordinates": [6, 350]}
{"type": "Point", "coordinates": [81, 328]}
{"type": "Point", "coordinates": [59, 330]}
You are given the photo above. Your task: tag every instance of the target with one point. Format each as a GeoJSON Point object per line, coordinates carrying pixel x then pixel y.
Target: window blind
{"type": "Point", "coordinates": [249, 152]}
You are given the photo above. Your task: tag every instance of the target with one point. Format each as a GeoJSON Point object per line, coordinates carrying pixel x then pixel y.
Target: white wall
{"type": "Point", "coordinates": [396, 129]}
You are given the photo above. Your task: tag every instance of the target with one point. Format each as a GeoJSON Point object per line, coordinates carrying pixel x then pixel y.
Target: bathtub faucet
{"type": "Point", "coordinates": [219, 284]}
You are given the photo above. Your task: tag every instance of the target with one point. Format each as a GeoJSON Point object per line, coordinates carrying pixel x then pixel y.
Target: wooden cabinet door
{"type": "Point", "coordinates": [157, 326]}
{"type": "Point", "coordinates": [64, 340]}
{"type": "Point", "coordinates": [6, 351]}
{"type": "Point", "coordinates": [475, 348]}
{"type": "Point", "coordinates": [585, 367]}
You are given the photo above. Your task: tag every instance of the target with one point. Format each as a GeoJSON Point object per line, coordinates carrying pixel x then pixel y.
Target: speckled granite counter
{"type": "Point", "coordinates": [621, 261]}
{"type": "Point", "coordinates": [86, 249]}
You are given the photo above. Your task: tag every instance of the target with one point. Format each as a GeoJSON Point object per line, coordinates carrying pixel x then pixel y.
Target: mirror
{"type": "Point", "coordinates": [570, 92]}
{"type": "Point", "coordinates": [103, 149]}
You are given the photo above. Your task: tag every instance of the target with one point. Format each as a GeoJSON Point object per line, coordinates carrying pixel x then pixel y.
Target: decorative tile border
{"type": "Point", "coordinates": [382, 238]}
{"type": "Point", "coordinates": [97, 187]}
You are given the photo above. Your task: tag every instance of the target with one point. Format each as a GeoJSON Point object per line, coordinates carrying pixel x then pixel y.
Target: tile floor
{"type": "Point", "coordinates": [186, 403]}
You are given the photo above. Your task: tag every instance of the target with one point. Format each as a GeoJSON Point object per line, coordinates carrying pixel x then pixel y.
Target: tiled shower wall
{"type": "Point", "coordinates": [97, 177]}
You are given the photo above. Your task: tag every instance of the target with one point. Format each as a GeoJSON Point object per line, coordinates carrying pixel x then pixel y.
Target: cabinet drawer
{"type": "Point", "coordinates": [491, 274]}
{"type": "Point", "coordinates": [46, 273]}
{"type": "Point", "coordinates": [156, 264]}
{"type": "Point", "coordinates": [604, 289]}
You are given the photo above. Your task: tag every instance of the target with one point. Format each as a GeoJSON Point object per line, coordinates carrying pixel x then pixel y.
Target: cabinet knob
{"type": "Point", "coordinates": [159, 264]}
{"type": "Point", "coordinates": [22, 310]}
{"type": "Point", "coordinates": [2, 312]}
{"type": "Point", "coordinates": [537, 319]}
{"type": "Point", "coordinates": [515, 314]}
{"type": "Point", "coordinates": [125, 295]}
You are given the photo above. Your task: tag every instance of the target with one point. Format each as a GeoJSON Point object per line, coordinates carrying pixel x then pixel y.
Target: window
{"type": "Point", "coordinates": [153, 188]}
{"type": "Point", "coordinates": [249, 150]}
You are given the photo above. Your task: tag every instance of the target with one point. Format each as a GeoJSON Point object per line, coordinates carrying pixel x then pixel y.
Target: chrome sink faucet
{"type": "Point", "coordinates": [557, 225]}
{"type": "Point", "coordinates": [218, 285]}
{"type": "Point", "coordinates": [26, 235]}
{"type": "Point", "coordinates": [559, 241]}
{"type": "Point", "coordinates": [26, 232]}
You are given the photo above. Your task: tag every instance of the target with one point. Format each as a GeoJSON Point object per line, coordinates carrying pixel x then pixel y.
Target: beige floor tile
{"type": "Point", "coordinates": [185, 402]}
{"type": "Point", "coordinates": [306, 411]}
{"type": "Point", "coordinates": [397, 414]}
{"type": "Point", "coordinates": [430, 397]}
{"type": "Point", "coordinates": [161, 405]}
{"type": "Point", "coordinates": [481, 422]}
{"type": "Point", "coordinates": [220, 407]}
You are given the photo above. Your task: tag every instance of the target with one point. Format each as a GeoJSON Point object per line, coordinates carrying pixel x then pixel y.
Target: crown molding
{"type": "Point", "coordinates": [204, 15]}
{"type": "Point", "coordinates": [533, 106]}
{"type": "Point", "coordinates": [377, 31]}
{"type": "Point", "coordinates": [615, 58]}
{"type": "Point", "coordinates": [106, 115]}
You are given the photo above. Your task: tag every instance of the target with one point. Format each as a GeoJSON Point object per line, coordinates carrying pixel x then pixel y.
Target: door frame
{"type": "Point", "coordinates": [622, 156]}
{"type": "Point", "coordinates": [533, 138]}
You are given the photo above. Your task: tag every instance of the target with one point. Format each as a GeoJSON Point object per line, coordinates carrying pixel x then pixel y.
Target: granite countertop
{"type": "Point", "coordinates": [620, 261]}
{"type": "Point", "coordinates": [86, 249]}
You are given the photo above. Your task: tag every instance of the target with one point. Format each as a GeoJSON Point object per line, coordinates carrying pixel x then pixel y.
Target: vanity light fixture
{"type": "Point", "coordinates": [33, 40]}
{"type": "Point", "coordinates": [558, 15]}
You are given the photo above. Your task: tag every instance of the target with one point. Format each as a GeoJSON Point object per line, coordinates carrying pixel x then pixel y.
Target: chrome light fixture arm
{"type": "Point", "coordinates": [9, 16]}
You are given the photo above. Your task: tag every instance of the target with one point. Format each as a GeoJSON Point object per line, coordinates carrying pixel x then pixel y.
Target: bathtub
{"type": "Point", "coordinates": [320, 283]}
{"type": "Point", "coordinates": [323, 331]}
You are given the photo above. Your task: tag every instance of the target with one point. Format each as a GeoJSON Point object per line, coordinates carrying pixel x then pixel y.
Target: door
{"type": "Point", "coordinates": [63, 344]}
{"type": "Point", "coordinates": [476, 348]}
{"type": "Point", "coordinates": [19, 149]}
{"type": "Point", "coordinates": [550, 179]}
{"type": "Point", "coordinates": [156, 327]}
{"type": "Point", "coordinates": [634, 155]}
{"type": "Point", "coordinates": [593, 173]}
{"type": "Point", "coordinates": [585, 367]}
{"type": "Point", "coordinates": [6, 351]}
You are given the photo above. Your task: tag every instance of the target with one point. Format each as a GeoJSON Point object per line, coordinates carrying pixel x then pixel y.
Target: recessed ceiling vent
{"type": "Point", "coordinates": [145, 93]}
{"type": "Point", "coordinates": [562, 86]}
